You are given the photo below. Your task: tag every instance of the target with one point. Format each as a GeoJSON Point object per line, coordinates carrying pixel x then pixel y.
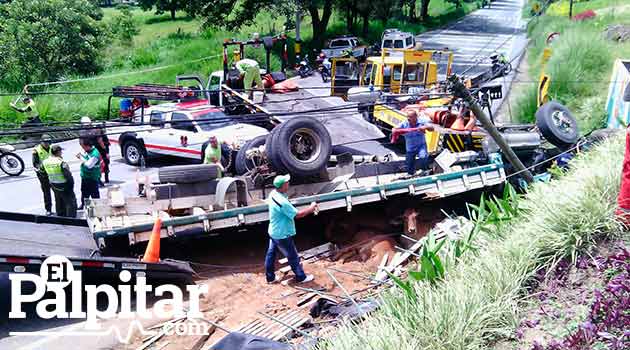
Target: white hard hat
{"type": "Point", "coordinates": [85, 120]}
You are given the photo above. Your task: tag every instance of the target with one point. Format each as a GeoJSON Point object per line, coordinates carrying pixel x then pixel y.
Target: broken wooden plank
{"type": "Point", "coordinates": [199, 344]}
{"type": "Point", "coordinates": [308, 297]}
{"type": "Point", "coordinates": [288, 330]}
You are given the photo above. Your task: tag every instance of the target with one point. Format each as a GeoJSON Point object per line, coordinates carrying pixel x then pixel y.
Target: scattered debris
{"type": "Point", "coordinates": [618, 32]}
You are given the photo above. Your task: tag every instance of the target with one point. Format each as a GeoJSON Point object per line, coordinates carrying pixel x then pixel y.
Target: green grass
{"type": "Point", "coordinates": [580, 65]}
{"type": "Point", "coordinates": [478, 301]}
{"type": "Point", "coordinates": [162, 42]}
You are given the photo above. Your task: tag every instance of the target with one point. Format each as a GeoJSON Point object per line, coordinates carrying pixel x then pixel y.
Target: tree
{"type": "Point", "coordinates": [234, 14]}
{"type": "Point", "coordinates": [43, 40]}
{"type": "Point", "coordinates": [172, 6]}
{"type": "Point", "coordinates": [424, 10]}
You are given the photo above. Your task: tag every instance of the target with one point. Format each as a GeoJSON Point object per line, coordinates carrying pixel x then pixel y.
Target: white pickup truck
{"type": "Point", "coordinates": [181, 130]}
{"type": "Point", "coordinates": [339, 47]}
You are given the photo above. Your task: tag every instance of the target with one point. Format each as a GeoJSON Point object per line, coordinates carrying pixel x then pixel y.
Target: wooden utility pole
{"type": "Point", "coordinates": [462, 92]}
{"type": "Point", "coordinates": [298, 38]}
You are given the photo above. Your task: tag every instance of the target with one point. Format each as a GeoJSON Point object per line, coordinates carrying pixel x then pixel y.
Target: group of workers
{"type": "Point", "coordinates": [54, 174]}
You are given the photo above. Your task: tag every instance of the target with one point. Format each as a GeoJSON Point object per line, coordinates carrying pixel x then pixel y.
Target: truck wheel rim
{"type": "Point", "coordinates": [10, 164]}
{"type": "Point", "coordinates": [133, 154]}
{"type": "Point", "coordinates": [562, 122]}
{"type": "Point", "coordinates": [305, 145]}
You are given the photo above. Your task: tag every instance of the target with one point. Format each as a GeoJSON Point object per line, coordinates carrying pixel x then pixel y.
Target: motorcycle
{"type": "Point", "coordinates": [304, 69]}
{"type": "Point", "coordinates": [10, 162]}
{"type": "Point", "coordinates": [501, 66]}
{"type": "Point", "coordinates": [324, 66]}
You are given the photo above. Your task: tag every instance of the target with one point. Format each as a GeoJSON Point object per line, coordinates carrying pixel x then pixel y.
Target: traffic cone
{"type": "Point", "coordinates": [152, 254]}
{"type": "Point", "coordinates": [623, 201]}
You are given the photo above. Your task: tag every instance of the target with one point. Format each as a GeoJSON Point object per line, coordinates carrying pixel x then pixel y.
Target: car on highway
{"type": "Point", "coordinates": [182, 130]}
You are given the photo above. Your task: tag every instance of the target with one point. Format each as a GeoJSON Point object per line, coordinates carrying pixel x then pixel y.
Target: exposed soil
{"type": "Point", "coordinates": [231, 264]}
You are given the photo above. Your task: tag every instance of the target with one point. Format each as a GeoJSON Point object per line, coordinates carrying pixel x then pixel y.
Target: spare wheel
{"type": "Point", "coordinates": [303, 146]}
{"type": "Point", "coordinates": [557, 124]}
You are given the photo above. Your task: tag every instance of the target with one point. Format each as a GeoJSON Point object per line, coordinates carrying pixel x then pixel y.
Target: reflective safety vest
{"type": "Point", "coordinates": [52, 165]}
{"type": "Point", "coordinates": [42, 153]}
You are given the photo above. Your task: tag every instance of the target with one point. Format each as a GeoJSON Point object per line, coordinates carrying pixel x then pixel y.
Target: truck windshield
{"type": "Point", "coordinates": [388, 44]}
{"type": "Point", "coordinates": [339, 43]}
{"type": "Point", "coordinates": [208, 121]}
{"type": "Point", "coordinates": [399, 44]}
{"type": "Point", "coordinates": [215, 83]}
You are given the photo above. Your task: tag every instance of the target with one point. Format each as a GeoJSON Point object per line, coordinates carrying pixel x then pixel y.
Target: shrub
{"type": "Point", "coordinates": [143, 58]}
{"type": "Point", "coordinates": [123, 26]}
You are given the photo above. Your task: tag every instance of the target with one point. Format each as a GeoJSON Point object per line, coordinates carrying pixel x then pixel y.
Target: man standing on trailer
{"type": "Point", "coordinates": [282, 215]}
{"type": "Point", "coordinates": [40, 153]}
{"type": "Point", "coordinates": [62, 183]}
{"type": "Point", "coordinates": [415, 142]}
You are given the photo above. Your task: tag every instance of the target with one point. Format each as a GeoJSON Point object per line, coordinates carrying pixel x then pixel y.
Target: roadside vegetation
{"type": "Point", "coordinates": [136, 46]}
{"type": "Point", "coordinates": [581, 61]}
{"type": "Point", "coordinates": [476, 302]}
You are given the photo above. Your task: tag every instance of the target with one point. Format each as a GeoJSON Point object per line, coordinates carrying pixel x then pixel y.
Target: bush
{"type": "Point", "coordinates": [143, 58]}
{"type": "Point", "coordinates": [123, 26]}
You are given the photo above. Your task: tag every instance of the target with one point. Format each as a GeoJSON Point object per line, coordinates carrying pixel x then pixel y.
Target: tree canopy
{"type": "Point", "coordinates": [171, 6]}
{"type": "Point", "coordinates": [43, 40]}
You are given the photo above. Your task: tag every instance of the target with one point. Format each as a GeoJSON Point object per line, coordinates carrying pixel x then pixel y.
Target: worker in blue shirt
{"type": "Point", "coordinates": [415, 143]}
{"type": "Point", "coordinates": [282, 215]}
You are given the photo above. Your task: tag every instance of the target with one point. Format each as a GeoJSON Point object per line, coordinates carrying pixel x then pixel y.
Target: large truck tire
{"type": "Point", "coordinates": [242, 164]}
{"type": "Point", "coordinates": [557, 124]}
{"type": "Point", "coordinates": [302, 145]}
{"type": "Point", "coordinates": [273, 157]}
{"type": "Point", "coordinates": [188, 173]}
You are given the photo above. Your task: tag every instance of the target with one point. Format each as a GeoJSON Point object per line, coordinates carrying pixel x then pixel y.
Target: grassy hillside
{"type": "Point", "coordinates": [181, 45]}
{"type": "Point", "coordinates": [581, 62]}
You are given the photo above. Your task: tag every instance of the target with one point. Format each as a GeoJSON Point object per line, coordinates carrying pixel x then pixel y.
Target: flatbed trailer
{"type": "Point", "coordinates": [26, 240]}
{"type": "Point", "coordinates": [234, 207]}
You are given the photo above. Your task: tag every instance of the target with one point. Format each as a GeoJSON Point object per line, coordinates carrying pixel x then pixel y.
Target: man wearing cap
{"type": "Point", "coordinates": [415, 143]}
{"type": "Point", "coordinates": [61, 182]}
{"type": "Point", "coordinates": [282, 215]}
{"type": "Point", "coordinates": [40, 153]}
{"type": "Point", "coordinates": [90, 171]}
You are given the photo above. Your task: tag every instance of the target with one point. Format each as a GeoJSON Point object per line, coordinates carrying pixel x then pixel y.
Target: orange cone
{"type": "Point", "coordinates": [152, 254]}
{"type": "Point", "coordinates": [623, 201]}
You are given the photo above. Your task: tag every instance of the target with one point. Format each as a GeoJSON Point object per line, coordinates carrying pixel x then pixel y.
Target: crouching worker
{"type": "Point", "coordinates": [415, 142]}
{"type": "Point", "coordinates": [282, 215]}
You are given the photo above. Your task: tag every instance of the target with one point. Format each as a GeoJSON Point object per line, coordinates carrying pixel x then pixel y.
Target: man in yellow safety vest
{"type": "Point", "coordinates": [40, 153]}
{"type": "Point", "coordinates": [61, 182]}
